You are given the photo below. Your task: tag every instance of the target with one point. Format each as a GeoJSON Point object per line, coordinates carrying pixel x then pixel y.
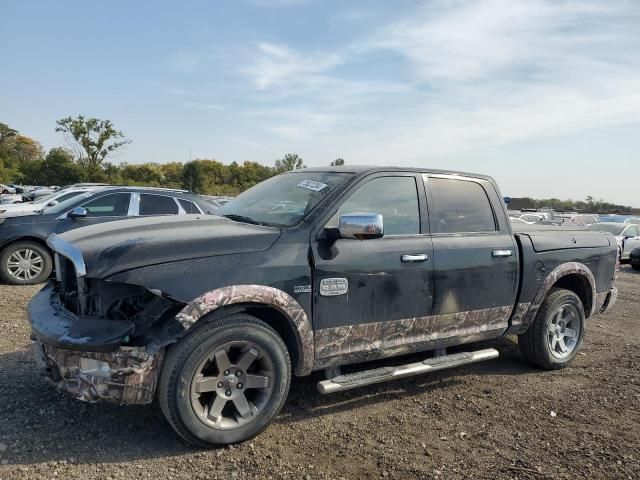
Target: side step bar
{"type": "Point", "coordinates": [384, 374]}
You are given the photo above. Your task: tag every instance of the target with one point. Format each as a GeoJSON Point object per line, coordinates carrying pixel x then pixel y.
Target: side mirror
{"type": "Point", "coordinates": [361, 226]}
{"type": "Point", "coordinates": [52, 203]}
{"type": "Point", "coordinates": [77, 212]}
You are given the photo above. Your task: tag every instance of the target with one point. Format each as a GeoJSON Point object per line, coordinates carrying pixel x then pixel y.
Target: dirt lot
{"type": "Point", "coordinates": [500, 419]}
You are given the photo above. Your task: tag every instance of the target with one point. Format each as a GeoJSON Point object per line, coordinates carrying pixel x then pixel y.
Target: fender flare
{"type": "Point", "coordinates": [525, 314]}
{"type": "Point", "coordinates": [257, 294]}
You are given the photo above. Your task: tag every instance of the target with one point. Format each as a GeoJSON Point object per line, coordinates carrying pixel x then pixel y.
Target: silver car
{"type": "Point", "coordinates": [627, 235]}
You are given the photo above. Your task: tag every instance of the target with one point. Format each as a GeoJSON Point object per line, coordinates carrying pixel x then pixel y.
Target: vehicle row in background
{"type": "Point", "coordinates": [25, 258]}
{"type": "Point", "coordinates": [627, 235]}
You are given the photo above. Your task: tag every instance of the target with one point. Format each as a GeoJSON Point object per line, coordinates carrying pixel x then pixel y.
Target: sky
{"type": "Point", "coordinates": [544, 95]}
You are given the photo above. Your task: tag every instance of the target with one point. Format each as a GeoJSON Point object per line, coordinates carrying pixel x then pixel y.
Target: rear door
{"type": "Point", "coordinates": [475, 255]}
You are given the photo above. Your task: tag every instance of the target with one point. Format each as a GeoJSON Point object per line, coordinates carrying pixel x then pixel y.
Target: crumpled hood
{"type": "Point", "coordinates": [113, 247]}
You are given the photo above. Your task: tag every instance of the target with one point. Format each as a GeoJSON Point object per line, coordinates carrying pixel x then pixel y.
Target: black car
{"type": "Point", "coordinates": [310, 270]}
{"type": "Point", "coordinates": [635, 259]}
{"type": "Point", "coordinates": [25, 258]}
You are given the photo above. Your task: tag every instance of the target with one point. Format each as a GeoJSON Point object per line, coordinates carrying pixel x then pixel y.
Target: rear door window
{"type": "Point", "coordinates": [459, 206]}
{"type": "Point", "coordinates": [157, 205]}
{"type": "Point", "coordinates": [188, 207]}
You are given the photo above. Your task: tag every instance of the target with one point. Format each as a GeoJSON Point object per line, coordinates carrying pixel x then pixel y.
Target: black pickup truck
{"type": "Point", "coordinates": [310, 270]}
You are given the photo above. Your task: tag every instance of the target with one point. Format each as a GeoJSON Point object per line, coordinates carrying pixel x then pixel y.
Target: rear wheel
{"type": "Point", "coordinates": [555, 337]}
{"type": "Point", "coordinates": [225, 381]}
{"type": "Point", "coordinates": [25, 263]}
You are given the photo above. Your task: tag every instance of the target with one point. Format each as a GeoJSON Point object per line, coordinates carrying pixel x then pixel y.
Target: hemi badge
{"type": "Point", "coordinates": [302, 289]}
{"type": "Point", "coordinates": [330, 287]}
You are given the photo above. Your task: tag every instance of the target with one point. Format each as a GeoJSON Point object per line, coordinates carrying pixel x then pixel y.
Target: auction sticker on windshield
{"type": "Point", "coordinates": [312, 185]}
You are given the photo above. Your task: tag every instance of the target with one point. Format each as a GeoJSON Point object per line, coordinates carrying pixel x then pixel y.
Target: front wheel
{"type": "Point", "coordinates": [25, 263]}
{"type": "Point", "coordinates": [225, 382]}
{"type": "Point", "coordinates": [555, 337]}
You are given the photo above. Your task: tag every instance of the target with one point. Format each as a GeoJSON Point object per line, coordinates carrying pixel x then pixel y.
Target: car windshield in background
{"type": "Point", "coordinates": [615, 229]}
{"type": "Point", "coordinates": [284, 200]}
{"type": "Point", "coordinates": [67, 204]}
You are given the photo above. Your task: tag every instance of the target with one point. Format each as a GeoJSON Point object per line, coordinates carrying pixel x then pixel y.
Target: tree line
{"type": "Point", "coordinates": [90, 142]}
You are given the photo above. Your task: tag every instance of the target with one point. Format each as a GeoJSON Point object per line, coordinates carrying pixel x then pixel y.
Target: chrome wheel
{"type": "Point", "coordinates": [564, 330]}
{"type": "Point", "coordinates": [232, 385]}
{"type": "Point", "coordinates": [25, 264]}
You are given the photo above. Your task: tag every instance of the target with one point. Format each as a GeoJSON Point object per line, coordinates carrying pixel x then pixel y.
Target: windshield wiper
{"type": "Point", "coordinates": [241, 218]}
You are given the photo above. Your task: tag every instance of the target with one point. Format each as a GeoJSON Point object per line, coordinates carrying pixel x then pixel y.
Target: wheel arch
{"type": "Point", "coordinates": [40, 241]}
{"type": "Point", "coordinates": [273, 306]}
{"type": "Point", "coordinates": [573, 276]}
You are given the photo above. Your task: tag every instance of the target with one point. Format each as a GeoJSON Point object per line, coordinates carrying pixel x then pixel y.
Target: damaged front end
{"type": "Point", "coordinates": [100, 340]}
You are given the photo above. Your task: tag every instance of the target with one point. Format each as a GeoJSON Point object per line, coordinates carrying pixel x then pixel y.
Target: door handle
{"type": "Point", "coordinates": [415, 257]}
{"type": "Point", "coordinates": [501, 253]}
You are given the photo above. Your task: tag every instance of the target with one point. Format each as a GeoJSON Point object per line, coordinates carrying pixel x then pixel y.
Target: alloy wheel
{"type": "Point", "coordinates": [25, 264]}
{"type": "Point", "coordinates": [232, 385]}
{"type": "Point", "coordinates": [564, 330]}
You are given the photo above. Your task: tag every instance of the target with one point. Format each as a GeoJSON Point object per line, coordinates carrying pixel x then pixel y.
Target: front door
{"type": "Point", "coordinates": [367, 293]}
{"type": "Point", "coordinates": [109, 207]}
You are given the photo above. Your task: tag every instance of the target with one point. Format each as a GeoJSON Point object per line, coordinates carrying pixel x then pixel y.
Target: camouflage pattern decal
{"type": "Point", "coordinates": [209, 301]}
{"type": "Point", "coordinates": [131, 378]}
{"type": "Point", "coordinates": [369, 341]}
{"type": "Point", "coordinates": [522, 322]}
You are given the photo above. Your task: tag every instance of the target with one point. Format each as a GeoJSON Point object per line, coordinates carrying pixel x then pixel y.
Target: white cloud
{"type": "Point", "coordinates": [278, 66]}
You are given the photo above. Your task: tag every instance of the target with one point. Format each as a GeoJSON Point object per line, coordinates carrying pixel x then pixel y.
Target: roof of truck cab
{"type": "Point", "coordinates": [364, 169]}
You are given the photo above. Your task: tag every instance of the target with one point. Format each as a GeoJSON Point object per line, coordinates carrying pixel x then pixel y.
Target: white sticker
{"type": "Point", "coordinates": [312, 185]}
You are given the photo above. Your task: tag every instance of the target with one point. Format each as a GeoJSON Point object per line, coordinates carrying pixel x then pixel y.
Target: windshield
{"type": "Point", "coordinates": [615, 229]}
{"type": "Point", "coordinates": [67, 204]}
{"type": "Point", "coordinates": [284, 200]}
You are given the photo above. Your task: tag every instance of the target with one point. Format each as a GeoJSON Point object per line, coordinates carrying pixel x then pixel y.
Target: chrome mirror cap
{"type": "Point", "coordinates": [78, 212]}
{"type": "Point", "coordinates": [361, 225]}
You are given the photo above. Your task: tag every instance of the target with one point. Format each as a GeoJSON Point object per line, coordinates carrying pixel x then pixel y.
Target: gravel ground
{"type": "Point", "coordinates": [498, 419]}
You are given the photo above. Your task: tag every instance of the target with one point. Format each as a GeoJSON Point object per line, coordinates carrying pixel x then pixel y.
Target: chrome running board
{"type": "Point", "coordinates": [384, 374]}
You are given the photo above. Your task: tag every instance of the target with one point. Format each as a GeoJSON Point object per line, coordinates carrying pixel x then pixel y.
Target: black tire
{"type": "Point", "coordinates": [535, 342]}
{"type": "Point", "coordinates": [635, 266]}
{"type": "Point", "coordinates": [182, 368]}
{"type": "Point", "coordinates": [40, 252]}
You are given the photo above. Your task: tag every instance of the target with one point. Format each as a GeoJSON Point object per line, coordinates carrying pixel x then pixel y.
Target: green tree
{"type": "Point", "coordinates": [92, 140]}
{"type": "Point", "coordinates": [6, 132]}
{"type": "Point", "coordinates": [57, 168]}
{"type": "Point", "coordinates": [291, 161]}
{"type": "Point", "coordinates": [338, 162]}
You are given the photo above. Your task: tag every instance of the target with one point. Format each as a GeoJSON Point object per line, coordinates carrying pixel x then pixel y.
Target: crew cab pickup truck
{"type": "Point", "coordinates": [309, 271]}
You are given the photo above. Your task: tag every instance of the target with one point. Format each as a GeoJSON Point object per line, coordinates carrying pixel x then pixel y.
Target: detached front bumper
{"type": "Point", "coordinates": [85, 357]}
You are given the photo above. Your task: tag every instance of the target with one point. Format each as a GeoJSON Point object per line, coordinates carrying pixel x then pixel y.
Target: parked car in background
{"type": "Point", "coordinates": [531, 218]}
{"type": "Point", "coordinates": [17, 188]}
{"type": "Point", "coordinates": [627, 235]}
{"type": "Point", "coordinates": [634, 220]}
{"type": "Point", "coordinates": [35, 193]}
{"type": "Point", "coordinates": [10, 199]}
{"type": "Point", "coordinates": [634, 258]}
{"type": "Point", "coordinates": [25, 258]}
{"type": "Point", "coordinates": [217, 200]}
{"type": "Point", "coordinates": [29, 208]}
{"type": "Point", "coordinates": [6, 189]}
